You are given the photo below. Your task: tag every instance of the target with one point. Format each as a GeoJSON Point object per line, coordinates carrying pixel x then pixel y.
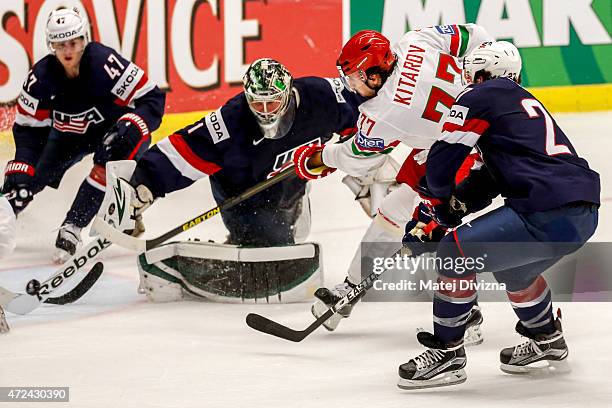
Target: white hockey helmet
{"type": "Point", "coordinates": [494, 60]}
{"type": "Point", "coordinates": [66, 24]}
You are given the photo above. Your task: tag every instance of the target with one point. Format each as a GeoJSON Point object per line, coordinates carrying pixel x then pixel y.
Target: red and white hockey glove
{"type": "Point", "coordinates": [300, 160]}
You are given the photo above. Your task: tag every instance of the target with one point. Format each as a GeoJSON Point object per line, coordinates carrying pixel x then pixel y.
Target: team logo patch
{"type": "Point", "coordinates": [457, 115]}
{"type": "Point", "coordinates": [372, 144]}
{"type": "Point", "coordinates": [337, 87]}
{"type": "Point", "coordinates": [76, 122]}
{"type": "Point", "coordinates": [446, 29]}
{"type": "Point", "coordinates": [28, 103]}
{"type": "Point", "coordinates": [216, 127]}
{"type": "Point", "coordinates": [286, 156]}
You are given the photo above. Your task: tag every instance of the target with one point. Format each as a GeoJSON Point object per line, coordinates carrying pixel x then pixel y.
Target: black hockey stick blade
{"type": "Point", "coordinates": [265, 325]}
{"type": "Point", "coordinates": [79, 290]}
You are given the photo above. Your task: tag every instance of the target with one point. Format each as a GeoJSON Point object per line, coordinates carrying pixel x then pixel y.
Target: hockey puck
{"type": "Point", "coordinates": [33, 287]}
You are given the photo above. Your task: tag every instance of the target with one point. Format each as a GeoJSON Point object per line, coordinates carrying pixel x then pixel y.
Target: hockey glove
{"type": "Point", "coordinates": [18, 177]}
{"type": "Point", "coordinates": [125, 139]}
{"type": "Point", "coordinates": [421, 233]}
{"type": "Point", "coordinates": [300, 159]}
{"type": "Point", "coordinates": [371, 189]}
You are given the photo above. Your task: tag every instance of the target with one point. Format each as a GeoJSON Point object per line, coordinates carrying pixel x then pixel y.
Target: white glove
{"type": "Point", "coordinates": [7, 227]}
{"type": "Point", "coordinates": [372, 188]}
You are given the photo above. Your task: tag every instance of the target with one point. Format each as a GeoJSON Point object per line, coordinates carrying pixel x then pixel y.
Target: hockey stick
{"type": "Point", "coordinates": [265, 325]}
{"type": "Point", "coordinates": [81, 288]}
{"type": "Point", "coordinates": [141, 245]}
{"type": "Point", "coordinates": [24, 303]}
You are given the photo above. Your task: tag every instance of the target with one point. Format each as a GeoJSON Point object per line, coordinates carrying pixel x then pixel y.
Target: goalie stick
{"type": "Point", "coordinates": [141, 245]}
{"type": "Point", "coordinates": [24, 303]}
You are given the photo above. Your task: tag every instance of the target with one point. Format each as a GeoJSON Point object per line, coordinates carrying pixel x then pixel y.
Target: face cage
{"type": "Point", "coordinates": [268, 109]}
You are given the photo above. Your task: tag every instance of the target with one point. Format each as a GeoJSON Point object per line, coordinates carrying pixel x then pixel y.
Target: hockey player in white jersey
{"type": "Point", "coordinates": [412, 85]}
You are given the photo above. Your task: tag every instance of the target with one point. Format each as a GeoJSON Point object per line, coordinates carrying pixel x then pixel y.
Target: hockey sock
{"type": "Point", "coordinates": [533, 306]}
{"type": "Point", "coordinates": [452, 305]}
{"type": "Point", "coordinates": [85, 205]}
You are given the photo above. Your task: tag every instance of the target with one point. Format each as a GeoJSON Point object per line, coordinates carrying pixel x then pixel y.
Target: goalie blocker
{"type": "Point", "coordinates": [230, 274]}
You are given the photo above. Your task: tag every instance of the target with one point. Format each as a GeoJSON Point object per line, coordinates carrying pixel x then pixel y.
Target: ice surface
{"type": "Point", "coordinates": [112, 348]}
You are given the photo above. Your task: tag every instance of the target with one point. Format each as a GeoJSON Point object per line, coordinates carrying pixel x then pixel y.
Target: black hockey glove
{"type": "Point", "coordinates": [18, 178]}
{"type": "Point", "coordinates": [125, 139]}
{"type": "Point", "coordinates": [422, 233]}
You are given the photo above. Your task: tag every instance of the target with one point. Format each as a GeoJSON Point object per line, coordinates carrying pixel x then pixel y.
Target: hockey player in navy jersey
{"type": "Point", "coordinates": [551, 209]}
{"type": "Point", "coordinates": [82, 98]}
{"type": "Point", "coordinates": [247, 141]}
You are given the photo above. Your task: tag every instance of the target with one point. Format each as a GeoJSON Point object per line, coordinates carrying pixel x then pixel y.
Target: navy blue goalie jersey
{"type": "Point", "coordinates": [533, 163]}
{"type": "Point", "coordinates": [229, 146]}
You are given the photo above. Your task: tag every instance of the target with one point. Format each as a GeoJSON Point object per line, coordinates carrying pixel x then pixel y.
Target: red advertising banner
{"type": "Point", "coordinates": [196, 50]}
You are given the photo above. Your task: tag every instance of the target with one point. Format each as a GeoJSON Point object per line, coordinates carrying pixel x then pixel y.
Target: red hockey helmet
{"type": "Point", "coordinates": [364, 50]}
{"type": "Point", "coordinates": [364, 53]}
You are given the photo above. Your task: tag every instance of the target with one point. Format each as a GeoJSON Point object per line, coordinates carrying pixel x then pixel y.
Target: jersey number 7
{"type": "Point", "coordinates": [447, 70]}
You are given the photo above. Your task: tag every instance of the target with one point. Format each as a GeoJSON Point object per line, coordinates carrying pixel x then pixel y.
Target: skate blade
{"type": "Point", "coordinates": [446, 379]}
{"type": "Point", "coordinates": [473, 336]}
{"type": "Point", "coordinates": [318, 308]}
{"type": "Point", "coordinates": [542, 367]}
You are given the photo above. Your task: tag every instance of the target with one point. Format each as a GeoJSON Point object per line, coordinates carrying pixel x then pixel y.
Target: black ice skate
{"type": "Point", "coordinates": [67, 242]}
{"type": "Point", "coordinates": [541, 353]}
{"type": "Point", "coordinates": [440, 365]}
{"type": "Point", "coordinates": [329, 297]}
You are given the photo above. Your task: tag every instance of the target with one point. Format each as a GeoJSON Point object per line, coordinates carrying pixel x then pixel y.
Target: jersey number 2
{"type": "Point", "coordinates": [532, 106]}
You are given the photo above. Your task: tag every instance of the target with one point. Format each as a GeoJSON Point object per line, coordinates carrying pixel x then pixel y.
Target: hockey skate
{"type": "Point", "coordinates": [542, 353]}
{"type": "Point", "coordinates": [326, 298]}
{"type": "Point", "coordinates": [67, 242]}
{"type": "Point", "coordinates": [440, 365]}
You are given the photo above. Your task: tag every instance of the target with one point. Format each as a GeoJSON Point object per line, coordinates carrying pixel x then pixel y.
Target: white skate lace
{"type": "Point", "coordinates": [526, 348]}
{"type": "Point", "coordinates": [428, 358]}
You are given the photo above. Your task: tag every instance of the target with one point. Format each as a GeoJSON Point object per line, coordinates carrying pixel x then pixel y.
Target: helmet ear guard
{"type": "Point", "coordinates": [66, 24]}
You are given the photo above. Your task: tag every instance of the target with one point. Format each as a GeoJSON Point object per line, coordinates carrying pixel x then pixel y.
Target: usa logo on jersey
{"type": "Point", "coordinates": [76, 122]}
{"type": "Point", "coordinates": [446, 29]}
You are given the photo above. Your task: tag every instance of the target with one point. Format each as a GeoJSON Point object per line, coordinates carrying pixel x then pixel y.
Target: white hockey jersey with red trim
{"type": "Point", "coordinates": [412, 104]}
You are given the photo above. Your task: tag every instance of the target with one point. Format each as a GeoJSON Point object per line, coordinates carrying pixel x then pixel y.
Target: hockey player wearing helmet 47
{"type": "Point", "coordinates": [550, 210]}
{"type": "Point", "coordinates": [249, 139]}
{"type": "Point", "coordinates": [82, 98]}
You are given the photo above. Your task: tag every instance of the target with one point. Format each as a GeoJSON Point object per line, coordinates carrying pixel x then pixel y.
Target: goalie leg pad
{"type": "Point", "coordinates": [230, 274]}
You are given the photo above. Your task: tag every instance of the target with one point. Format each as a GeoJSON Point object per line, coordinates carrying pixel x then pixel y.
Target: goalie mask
{"type": "Point", "coordinates": [268, 90]}
{"type": "Point", "coordinates": [64, 25]}
{"type": "Point", "coordinates": [492, 60]}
